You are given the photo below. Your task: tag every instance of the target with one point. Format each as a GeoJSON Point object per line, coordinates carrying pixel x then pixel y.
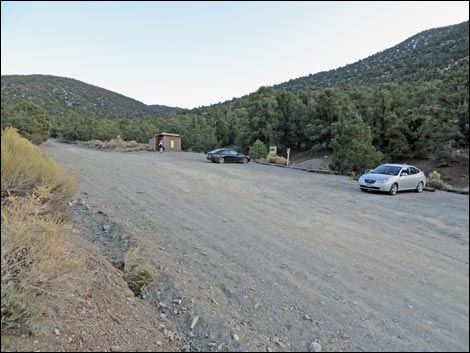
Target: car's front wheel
{"type": "Point", "coordinates": [221, 160]}
{"type": "Point", "coordinates": [245, 160]}
{"type": "Point", "coordinates": [420, 187]}
{"type": "Point", "coordinates": [394, 189]}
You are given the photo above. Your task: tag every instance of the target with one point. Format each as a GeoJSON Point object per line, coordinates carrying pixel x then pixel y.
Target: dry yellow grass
{"type": "Point", "coordinates": [279, 160]}
{"type": "Point", "coordinates": [35, 257]}
{"type": "Point", "coordinates": [27, 170]}
{"type": "Point", "coordinates": [34, 250]}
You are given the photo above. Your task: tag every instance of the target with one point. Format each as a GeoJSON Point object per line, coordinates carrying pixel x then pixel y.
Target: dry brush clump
{"type": "Point", "coordinates": [34, 250]}
{"type": "Point", "coordinates": [119, 144]}
{"type": "Point", "coordinates": [138, 272]}
{"type": "Point", "coordinates": [434, 180]}
{"type": "Point", "coordinates": [278, 160]}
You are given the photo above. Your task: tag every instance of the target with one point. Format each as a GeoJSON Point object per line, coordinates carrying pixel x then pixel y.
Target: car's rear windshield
{"type": "Point", "coordinates": [386, 169]}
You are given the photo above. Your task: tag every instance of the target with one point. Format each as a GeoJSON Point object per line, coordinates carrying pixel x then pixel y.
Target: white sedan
{"type": "Point", "coordinates": [392, 178]}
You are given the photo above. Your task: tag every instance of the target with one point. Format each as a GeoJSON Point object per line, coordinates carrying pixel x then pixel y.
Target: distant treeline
{"type": "Point", "coordinates": [360, 125]}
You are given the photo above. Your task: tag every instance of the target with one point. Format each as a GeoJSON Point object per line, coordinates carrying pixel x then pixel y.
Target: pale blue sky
{"type": "Point", "coordinates": [189, 54]}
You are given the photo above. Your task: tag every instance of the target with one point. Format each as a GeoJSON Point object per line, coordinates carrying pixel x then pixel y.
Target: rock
{"type": "Point", "coordinates": [186, 348]}
{"type": "Point", "coordinates": [159, 343]}
{"type": "Point", "coordinates": [56, 331]}
{"type": "Point", "coordinates": [116, 349]}
{"type": "Point", "coordinates": [307, 317]}
{"type": "Point", "coordinates": [314, 347]}
{"type": "Point", "coordinates": [163, 316]}
{"type": "Point", "coordinates": [36, 342]}
{"type": "Point", "coordinates": [177, 301]}
{"type": "Point", "coordinates": [116, 319]}
{"type": "Point", "coordinates": [257, 305]}
{"type": "Point", "coordinates": [236, 338]}
{"type": "Point", "coordinates": [106, 227]}
{"type": "Point", "coordinates": [195, 320]}
{"type": "Point", "coordinates": [162, 305]}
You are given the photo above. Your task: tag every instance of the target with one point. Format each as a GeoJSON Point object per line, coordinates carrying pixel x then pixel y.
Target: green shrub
{"type": "Point", "coordinates": [258, 150]}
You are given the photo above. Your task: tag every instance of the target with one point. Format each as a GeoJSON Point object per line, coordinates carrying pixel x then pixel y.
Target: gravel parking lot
{"type": "Point", "coordinates": [274, 259]}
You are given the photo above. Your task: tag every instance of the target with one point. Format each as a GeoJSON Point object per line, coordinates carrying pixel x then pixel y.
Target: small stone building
{"type": "Point", "coordinates": [171, 142]}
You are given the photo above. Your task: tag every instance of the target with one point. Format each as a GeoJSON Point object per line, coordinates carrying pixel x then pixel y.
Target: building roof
{"type": "Point", "coordinates": [168, 134]}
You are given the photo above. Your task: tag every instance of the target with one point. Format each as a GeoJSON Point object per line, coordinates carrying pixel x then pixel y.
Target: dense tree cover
{"type": "Point", "coordinates": [30, 120]}
{"type": "Point", "coordinates": [359, 125]}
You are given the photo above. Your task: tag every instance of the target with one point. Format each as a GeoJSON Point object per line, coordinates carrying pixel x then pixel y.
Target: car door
{"type": "Point", "coordinates": [415, 177]}
{"type": "Point", "coordinates": [406, 180]}
{"type": "Point", "coordinates": [228, 155]}
{"type": "Point", "coordinates": [237, 157]}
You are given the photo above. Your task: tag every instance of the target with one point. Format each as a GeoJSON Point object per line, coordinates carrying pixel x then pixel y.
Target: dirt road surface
{"type": "Point", "coordinates": [275, 259]}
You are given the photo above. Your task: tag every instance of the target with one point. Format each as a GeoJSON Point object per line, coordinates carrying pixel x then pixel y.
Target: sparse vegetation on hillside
{"type": "Point", "coordinates": [59, 95]}
{"type": "Point", "coordinates": [424, 57]}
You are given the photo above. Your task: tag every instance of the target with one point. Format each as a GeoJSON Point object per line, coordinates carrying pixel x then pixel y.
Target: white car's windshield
{"type": "Point", "coordinates": [386, 169]}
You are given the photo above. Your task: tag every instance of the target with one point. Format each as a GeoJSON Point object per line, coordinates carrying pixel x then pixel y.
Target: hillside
{"type": "Point", "coordinates": [425, 56]}
{"type": "Point", "coordinates": [57, 95]}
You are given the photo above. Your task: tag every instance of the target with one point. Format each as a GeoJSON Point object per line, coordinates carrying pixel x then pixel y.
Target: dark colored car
{"type": "Point", "coordinates": [223, 155]}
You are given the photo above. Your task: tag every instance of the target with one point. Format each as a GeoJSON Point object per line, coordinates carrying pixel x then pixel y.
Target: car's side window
{"type": "Point", "coordinates": [405, 170]}
{"type": "Point", "coordinates": [413, 170]}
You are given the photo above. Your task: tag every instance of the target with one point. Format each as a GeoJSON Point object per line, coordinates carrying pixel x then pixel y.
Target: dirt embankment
{"type": "Point", "coordinates": [99, 312]}
{"type": "Point", "coordinates": [275, 259]}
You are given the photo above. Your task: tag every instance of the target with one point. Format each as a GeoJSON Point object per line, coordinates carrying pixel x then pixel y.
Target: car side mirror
{"type": "Point", "coordinates": [403, 174]}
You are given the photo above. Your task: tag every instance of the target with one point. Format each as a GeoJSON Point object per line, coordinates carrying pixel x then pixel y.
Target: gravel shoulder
{"type": "Point", "coordinates": [281, 258]}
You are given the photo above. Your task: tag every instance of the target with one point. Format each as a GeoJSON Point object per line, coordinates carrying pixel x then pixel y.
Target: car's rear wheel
{"type": "Point", "coordinates": [221, 160]}
{"type": "Point", "coordinates": [420, 187]}
{"type": "Point", "coordinates": [394, 189]}
{"type": "Point", "coordinates": [245, 160]}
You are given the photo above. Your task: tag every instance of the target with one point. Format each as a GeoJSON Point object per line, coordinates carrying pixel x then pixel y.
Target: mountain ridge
{"type": "Point", "coordinates": [57, 95]}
